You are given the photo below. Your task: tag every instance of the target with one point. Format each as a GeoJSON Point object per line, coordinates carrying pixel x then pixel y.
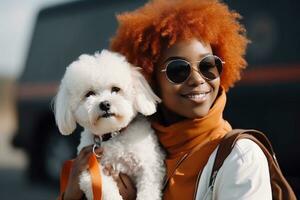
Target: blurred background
{"type": "Point", "coordinates": [39, 38]}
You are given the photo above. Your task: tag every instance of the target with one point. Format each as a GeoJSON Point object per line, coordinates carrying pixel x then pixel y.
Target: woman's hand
{"type": "Point", "coordinates": [126, 187]}
{"type": "Point", "coordinates": [73, 191]}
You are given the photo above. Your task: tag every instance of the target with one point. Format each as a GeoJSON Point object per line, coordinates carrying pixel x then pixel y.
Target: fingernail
{"type": "Point", "coordinates": [105, 172]}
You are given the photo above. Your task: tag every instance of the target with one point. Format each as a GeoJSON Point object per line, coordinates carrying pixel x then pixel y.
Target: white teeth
{"type": "Point", "coordinates": [196, 96]}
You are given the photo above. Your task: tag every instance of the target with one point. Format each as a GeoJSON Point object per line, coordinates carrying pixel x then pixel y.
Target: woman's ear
{"type": "Point", "coordinates": [145, 99]}
{"type": "Point", "coordinates": [63, 115]}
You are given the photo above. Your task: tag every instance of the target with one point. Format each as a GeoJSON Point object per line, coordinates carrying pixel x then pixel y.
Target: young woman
{"type": "Point", "coordinates": [191, 52]}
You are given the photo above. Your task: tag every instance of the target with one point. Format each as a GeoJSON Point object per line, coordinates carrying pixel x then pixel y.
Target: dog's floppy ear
{"type": "Point", "coordinates": [63, 115]}
{"type": "Point", "coordinates": [145, 99]}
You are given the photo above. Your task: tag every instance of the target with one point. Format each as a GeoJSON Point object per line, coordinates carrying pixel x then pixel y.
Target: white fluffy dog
{"type": "Point", "coordinates": [104, 93]}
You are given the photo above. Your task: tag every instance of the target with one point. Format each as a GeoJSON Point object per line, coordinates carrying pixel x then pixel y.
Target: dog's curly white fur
{"type": "Point", "coordinates": [104, 93]}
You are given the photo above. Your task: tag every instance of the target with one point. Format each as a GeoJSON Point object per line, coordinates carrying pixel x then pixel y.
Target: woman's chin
{"type": "Point", "coordinates": [196, 113]}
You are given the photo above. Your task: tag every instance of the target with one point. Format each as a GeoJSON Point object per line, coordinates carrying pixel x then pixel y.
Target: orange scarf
{"type": "Point", "coordinates": [178, 139]}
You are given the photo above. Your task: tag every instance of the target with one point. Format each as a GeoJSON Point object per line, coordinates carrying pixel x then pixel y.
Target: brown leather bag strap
{"type": "Point", "coordinates": [281, 190]}
{"type": "Point", "coordinates": [228, 143]}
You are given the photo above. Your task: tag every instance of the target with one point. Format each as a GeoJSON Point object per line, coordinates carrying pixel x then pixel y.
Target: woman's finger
{"type": "Point", "coordinates": [85, 150]}
{"type": "Point", "coordinates": [107, 169]}
{"type": "Point", "coordinates": [121, 185]}
{"type": "Point", "coordinates": [126, 181]}
{"type": "Point", "coordinates": [82, 159]}
{"type": "Point", "coordinates": [126, 188]}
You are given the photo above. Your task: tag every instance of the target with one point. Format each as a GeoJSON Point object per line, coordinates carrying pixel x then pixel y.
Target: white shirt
{"type": "Point", "coordinates": [244, 175]}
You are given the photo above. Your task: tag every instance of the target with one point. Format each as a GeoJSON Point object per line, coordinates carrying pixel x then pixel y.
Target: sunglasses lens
{"type": "Point", "coordinates": [211, 67]}
{"type": "Point", "coordinates": [178, 71]}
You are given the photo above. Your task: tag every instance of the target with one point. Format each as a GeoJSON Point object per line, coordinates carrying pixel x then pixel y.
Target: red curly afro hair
{"type": "Point", "coordinates": [144, 33]}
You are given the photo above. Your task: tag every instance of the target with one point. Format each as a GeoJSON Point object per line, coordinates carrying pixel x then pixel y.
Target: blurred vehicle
{"type": "Point", "coordinates": [61, 34]}
{"type": "Point", "coordinates": [266, 99]}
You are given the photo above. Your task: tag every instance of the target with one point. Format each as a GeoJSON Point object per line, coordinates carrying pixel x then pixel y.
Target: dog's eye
{"type": "Point", "coordinates": [115, 89]}
{"type": "Point", "coordinates": [89, 93]}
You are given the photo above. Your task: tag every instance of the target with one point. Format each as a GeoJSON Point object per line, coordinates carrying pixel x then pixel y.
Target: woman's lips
{"type": "Point", "coordinates": [197, 97]}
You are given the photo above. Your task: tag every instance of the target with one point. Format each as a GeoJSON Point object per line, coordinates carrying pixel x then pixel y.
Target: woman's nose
{"type": "Point", "coordinates": [195, 77]}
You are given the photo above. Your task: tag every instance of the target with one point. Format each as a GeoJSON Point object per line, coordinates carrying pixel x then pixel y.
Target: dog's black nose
{"type": "Point", "coordinates": [105, 105]}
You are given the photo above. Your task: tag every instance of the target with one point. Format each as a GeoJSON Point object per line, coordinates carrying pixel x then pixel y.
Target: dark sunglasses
{"type": "Point", "coordinates": [179, 70]}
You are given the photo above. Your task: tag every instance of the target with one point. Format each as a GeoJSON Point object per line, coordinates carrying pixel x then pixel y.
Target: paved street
{"type": "Point", "coordinates": [13, 182]}
{"type": "Point", "coordinates": [14, 186]}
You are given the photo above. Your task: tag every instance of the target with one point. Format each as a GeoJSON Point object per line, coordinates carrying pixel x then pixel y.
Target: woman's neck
{"type": "Point", "coordinates": [166, 117]}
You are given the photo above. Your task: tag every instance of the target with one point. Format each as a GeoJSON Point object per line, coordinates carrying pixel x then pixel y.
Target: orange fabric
{"type": "Point", "coordinates": [178, 139]}
{"type": "Point", "coordinates": [94, 169]}
{"type": "Point", "coordinates": [64, 177]}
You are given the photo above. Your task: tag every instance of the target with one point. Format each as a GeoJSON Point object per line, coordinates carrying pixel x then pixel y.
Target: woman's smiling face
{"type": "Point", "coordinates": [194, 97]}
